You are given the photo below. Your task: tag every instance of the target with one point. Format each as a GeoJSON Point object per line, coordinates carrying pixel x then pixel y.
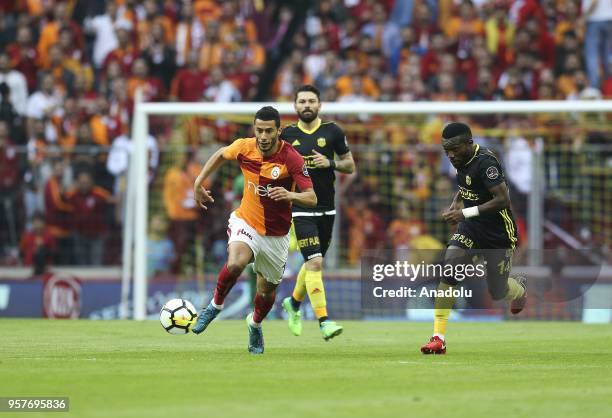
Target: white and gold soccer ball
{"type": "Point", "coordinates": [177, 316]}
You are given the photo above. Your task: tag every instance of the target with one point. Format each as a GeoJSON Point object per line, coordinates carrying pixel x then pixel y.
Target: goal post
{"type": "Point", "coordinates": [137, 197]}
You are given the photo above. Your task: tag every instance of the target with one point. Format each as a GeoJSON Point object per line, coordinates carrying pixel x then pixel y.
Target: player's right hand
{"type": "Point", "coordinates": [202, 196]}
{"type": "Point", "coordinates": [453, 217]}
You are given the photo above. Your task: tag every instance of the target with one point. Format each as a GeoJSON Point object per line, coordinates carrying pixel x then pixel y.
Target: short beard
{"type": "Point", "coordinates": [272, 145]}
{"type": "Point", "coordinates": [308, 119]}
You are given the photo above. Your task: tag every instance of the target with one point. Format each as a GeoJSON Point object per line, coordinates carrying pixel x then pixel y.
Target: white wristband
{"type": "Point", "coordinates": [470, 212]}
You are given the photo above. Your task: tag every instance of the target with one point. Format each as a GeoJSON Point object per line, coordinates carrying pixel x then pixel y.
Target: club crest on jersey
{"type": "Point", "coordinates": [468, 180]}
{"type": "Point", "coordinates": [321, 142]}
{"type": "Point", "coordinates": [305, 171]}
{"type": "Point", "coordinates": [275, 172]}
{"type": "Point", "coordinates": [492, 173]}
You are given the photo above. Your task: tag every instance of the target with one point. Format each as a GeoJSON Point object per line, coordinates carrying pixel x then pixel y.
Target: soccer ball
{"type": "Point", "coordinates": [177, 316]}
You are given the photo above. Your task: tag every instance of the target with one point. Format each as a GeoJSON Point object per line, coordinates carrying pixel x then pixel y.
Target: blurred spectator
{"type": "Point", "coordinates": [103, 27]}
{"type": "Point", "coordinates": [89, 220]}
{"type": "Point", "coordinates": [9, 115]}
{"type": "Point", "coordinates": [212, 50]}
{"type": "Point", "coordinates": [190, 34]}
{"type": "Point", "coordinates": [425, 25]}
{"type": "Point", "coordinates": [160, 58]}
{"type": "Point", "coordinates": [327, 78]}
{"type": "Point", "coordinates": [357, 93]}
{"type": "Point", "coordinates": [314, 63]}
{"type": "Point", "coordinates": [50, 32]}
{"type": "Point", "coordinates": [7, 33]}
{"type": "Point", "coordinates": [153, 26]}
{"type": "Point", "coordinates": [63, 77]}
{"type": "Point", "coordinates": [9, 190]}
{"type": "Point", "coordinates": [220, 89]}
{"type": "Point", "coordinates": [500, 35]}
{"type": "Point", "coordinates": [120, 105]}
{"type": "Point", "coordinates": [519, 169]}
{"type": "Point", "coordinates": [511, 84]}
{"type": "Point", "coordinates": [446, 89]}
{"type": "Point", "coordinates": [566, 83]}
{"type": "Point", "coordinates": [160, 250]}
{"type": "Point", "coordinates": [272, 41]}
{"type": "Point", "coordinates": [89, 156]}
{"type": "Point", "coordinates": [569, 45]}
{"type": "Point", "coordinates": [189, 83]}
{"type": "Point", "coordinates": [388, 90]}
{"type": "Point", "coordinates": [251, 55]}
{"type": "Point", "coordinates": [346, 83]}
{"type": "Point", "coordinates": [58, 211]}
{"type": "Point", "coordinates": [366, 230]}
{"type": "Point", "coordinates": [103, 126]}
{"type": "Point", "coordinates": [486, 89]}
{"type": "Point", "coordinates": [289, 77]}
{"type": "Point", "coordinates": [24, 57]}
{"type": "Point", "coordinates": [401, 14]}
{"type": "Point", "coordinates": [43, 103]}
{"type": "Point", "coordinates": [16, 82]}
{"type": "Point", "coordinates": [607, 88]}
{"type": "Point", "coordinates": [151, 86]}
{"type": "Point", "coordinates": [126, 52]}
{"type": "Point", "coordinates": [385, 33]}
{"type": "Point", "coordinates": [230, 21]}
{"type": "Point", "coordinates": [541, 44]}
{"type": "Point", "coordinates": [430, 62]}
{"type": "Point", "coordinates": [38, 246]}
{"type": "Point", "coordinates": [598, 39]}
{"type": "Point", "coordinates": [181, 209]}
{"type": "Point", "coordinates": [65, 122]}
{"type": "Point", "coordinates": [121, 151]}
{"type": "Point", "coordinates": [9, 167]}
{"type": "Point", "coordinates": [403, 228]}
{"type": "Point", "coordinates": [41, 149]}
{"type": "Point", "coordinates": [461, 30]}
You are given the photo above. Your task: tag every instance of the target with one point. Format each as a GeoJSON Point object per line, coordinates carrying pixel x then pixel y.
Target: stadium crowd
{"type": "Point", "coordinates": [69, 72]}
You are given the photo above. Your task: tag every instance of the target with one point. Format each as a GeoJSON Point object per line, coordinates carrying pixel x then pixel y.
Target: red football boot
{"type": "Point", "coordinates": [436, 345]}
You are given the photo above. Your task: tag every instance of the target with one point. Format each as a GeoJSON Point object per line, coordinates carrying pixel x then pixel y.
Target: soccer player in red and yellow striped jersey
{"type": "Point", "coordinates": [259, 229]}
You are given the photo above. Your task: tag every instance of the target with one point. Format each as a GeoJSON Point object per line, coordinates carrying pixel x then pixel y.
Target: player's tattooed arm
{"type": "Point", "coordinates": [345, 163]}
{"type": "Point", "coordinates": [200, 194]}
{"type": "Point", "coordinates": [306, 198]}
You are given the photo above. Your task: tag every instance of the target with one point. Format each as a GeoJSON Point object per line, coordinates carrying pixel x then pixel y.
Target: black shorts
{"type": "Point", "coordinates": [477, 236]}
{"type": "Point", "coordinates": [494, 247]}
{"type": "Point", "coordinates": [313, 234]}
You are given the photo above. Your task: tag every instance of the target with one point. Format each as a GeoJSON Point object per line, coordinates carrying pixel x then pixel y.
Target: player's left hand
{"type": "Point", "coordinates": [453, 216]}
{"type": "Point", "coordinates": [279, 193]}
{"type": "Point", "coordinates": [320, 160]}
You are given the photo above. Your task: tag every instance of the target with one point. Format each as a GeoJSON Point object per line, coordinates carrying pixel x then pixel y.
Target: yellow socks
{"type": "Point", "coordinates": [311, 282]}
{"type": "Point", "coordinates": [442, 310]}
{"type": "Point", "coordinates": [515, 290]}
{"type": "Point", "coordinates": [316, 292]}
{"type": "Point", "coordinates": [299, 291]}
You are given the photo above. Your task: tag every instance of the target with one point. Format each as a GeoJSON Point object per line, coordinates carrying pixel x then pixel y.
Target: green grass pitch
{"type": "Point", "coordinates": [130, 369]}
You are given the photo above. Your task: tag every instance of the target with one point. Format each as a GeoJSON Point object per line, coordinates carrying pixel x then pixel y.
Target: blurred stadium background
{"type": "Point", "coordinates": [69, 72]}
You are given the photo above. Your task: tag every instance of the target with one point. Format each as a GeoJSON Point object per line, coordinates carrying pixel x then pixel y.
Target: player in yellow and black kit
{"type": "Point", "coordinates": [317, 142]}
{"type": "Point", "coordinates": [486, 227]}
